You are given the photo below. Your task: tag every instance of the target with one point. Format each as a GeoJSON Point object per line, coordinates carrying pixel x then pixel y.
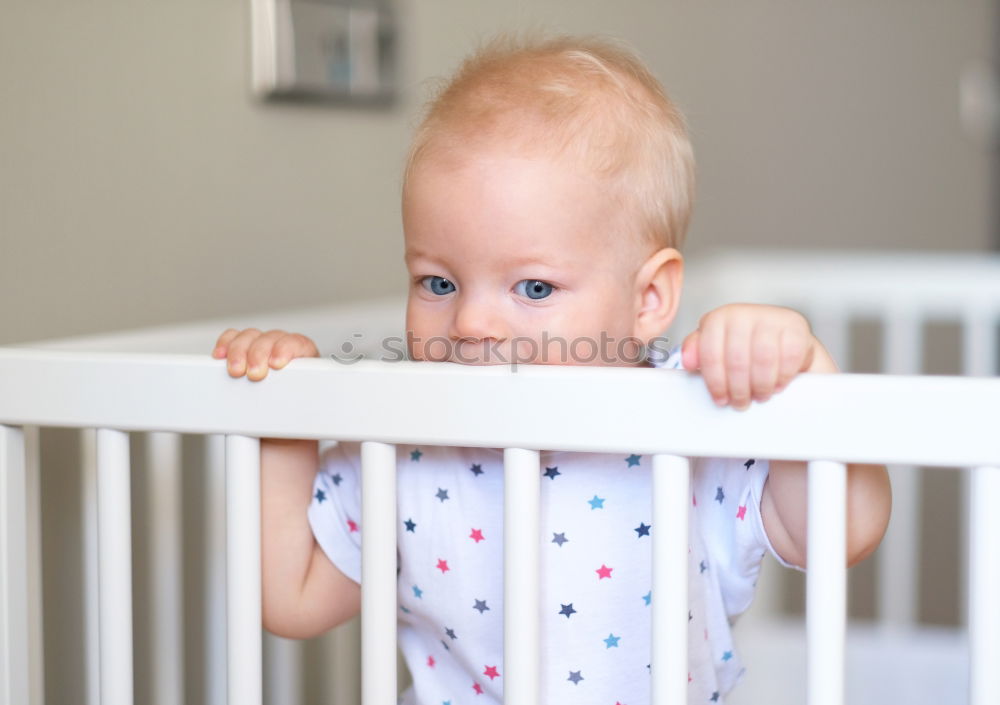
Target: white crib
{"type": "Point", "coordinates": [161, 380]}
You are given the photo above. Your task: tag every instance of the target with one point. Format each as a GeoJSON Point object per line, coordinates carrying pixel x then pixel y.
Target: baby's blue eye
{"type": "Point", "coordinates": [438, 285]}
{"type": "Point", "coordinates": [534, 289]}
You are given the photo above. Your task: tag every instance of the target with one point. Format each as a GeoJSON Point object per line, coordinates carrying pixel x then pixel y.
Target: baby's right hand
{"type": "Point", "coordinates": [251, 352]}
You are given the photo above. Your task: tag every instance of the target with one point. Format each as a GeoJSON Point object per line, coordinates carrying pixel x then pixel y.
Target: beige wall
{"type": "Point", "coordinates": [141, 183]}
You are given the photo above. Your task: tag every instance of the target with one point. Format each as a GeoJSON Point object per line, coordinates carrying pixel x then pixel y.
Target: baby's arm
{"type": "Point", "coordinates": [749, 352]}
{"type": "Point", "coordinates": [303, 593]}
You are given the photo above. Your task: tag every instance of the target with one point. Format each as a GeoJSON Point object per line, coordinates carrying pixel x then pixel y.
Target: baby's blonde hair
{"type": "Point", "coordinates": [587, 98]}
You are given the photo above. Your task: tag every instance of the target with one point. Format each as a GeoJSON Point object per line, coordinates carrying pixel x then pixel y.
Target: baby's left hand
{"type": "Point", "coordinates": [750, 351]}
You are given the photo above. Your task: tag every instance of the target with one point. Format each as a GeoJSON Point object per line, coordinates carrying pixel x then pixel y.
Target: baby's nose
{"type": "Point", "coordinates": [477, 320]}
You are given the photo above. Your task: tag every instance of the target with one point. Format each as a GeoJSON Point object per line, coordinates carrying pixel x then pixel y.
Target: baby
{"type": "Point", "coordinates": [546, 193]}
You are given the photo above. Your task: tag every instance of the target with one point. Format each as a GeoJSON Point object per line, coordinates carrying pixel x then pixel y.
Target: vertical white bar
{"type": "Point", "coordinates": [979, 359]}
{"type": "Point", "coordinates": [91, 588]}
{"type": "Point", "coordinates": [826, 582]}
{"type": "Point", "coordinates": [114, 547]}
{"type": "Point", "coordinates": [33, 508]}
{"type": "Point", "coordinates": [671, 499]}
{"type": "Point", "coordinates": [283, 670]}
{"type": "Point", "coordinates": [898, 566]}
{"type": "Point", "coordinates": [214, 558]}
{"type": "Point", "coordinates": [378, 574]}
{"type": "Point", "coordinates": [984, 586]}
{"type": "Point", "coordinates": [243, 612]}
{"type": "Point", "coordinates": [14, 680]}
{"type": "Point", "coordinates": [521, 555]}
{"type": "Point", "coordinates": [163, 460]}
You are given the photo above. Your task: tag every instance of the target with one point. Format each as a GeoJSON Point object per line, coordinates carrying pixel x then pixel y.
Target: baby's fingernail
{"type": "Point", "coordinates": [278, 362]}
{"type": "Point", "coordinates": [257, 372]}
{"type": "Point", "coordinates": [721, 401]}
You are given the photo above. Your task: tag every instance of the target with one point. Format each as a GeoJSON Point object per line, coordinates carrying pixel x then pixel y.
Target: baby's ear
{"type": "Point", "coordinates": [658, 284]}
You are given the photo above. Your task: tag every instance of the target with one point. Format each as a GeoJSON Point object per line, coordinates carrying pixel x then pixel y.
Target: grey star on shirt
{"type": "Point", "coordinates": [575, 677]}
{"type": "Point", "coordinates": [480, 605]}
{"type": "Point", "coordinates": [442, 494]}
{"type": "Point", "coordinates": [559, 538]}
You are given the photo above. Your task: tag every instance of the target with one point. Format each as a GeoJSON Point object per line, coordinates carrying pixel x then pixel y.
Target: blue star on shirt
{"type": "Point", "coordinates": [715, 697]}
{"type": "Point", "coordinates": [648, 597]}
{"type": "Point", "coordinates": [748, 463]}
{"type": "Point", "coordinates": [415, 454]}
{"type": "Point", "coordinates": [410, 526]}
{"type": "Point", "coordinates": [727, 655]}
{"type": "Point", "coordinates": [442, 494]}
{"type": "Point", "coordinates": [702, 567]}
{"type": "Point", "coordinates": [476, 469]}
{"type": "Point", "coordinates": [552, 472]}
{"type": "Point", "coordinates": [575, 677]}
{"type": "Point", "coordinates": [337, 479]}
{"type": "Point", "coordinates": [612, 640]}
{"type": "Point", "coordinates": [417, 592]}
{"type": "Point", "coordinates": [642, 530]}
{"type": "Point", "coordinates": [719, 495]}
{"type": "Point", "coordinates": [567, 610]}
{"type": "Point", "coordinates": [596, 502]}
{"type": "Point", "coordinates": [320, 496]}
{"type": "Point", "coordinates": [632, 460]}
{"type": "Point", "coordinates": [480, 605]}
{"type": "Point", "coordinates": [559, 538]}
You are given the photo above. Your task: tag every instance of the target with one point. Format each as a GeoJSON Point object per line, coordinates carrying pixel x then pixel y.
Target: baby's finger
{"type": "Point", "coordinates": [222, 344]}
{"type": "Point", "coordinates": [689, 352]}
{"type": "Point", "coordinates": [711, 356]}
{"type": "Point", "coordinates": [236, 353]}
{"type": "Point", "coordinates": [793, 351]}
{"type": "Point", "coordinates": [738, 354]}
{"type": "Point", "coordinates": [765, 362]}
{"type": "Point", "coordinates": [291, 346]}
{"type": "Point", "coordinates": [259, 354]}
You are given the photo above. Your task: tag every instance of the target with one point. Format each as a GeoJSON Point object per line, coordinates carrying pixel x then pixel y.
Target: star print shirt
{"type": "Point", "coordinates": [595, 592]}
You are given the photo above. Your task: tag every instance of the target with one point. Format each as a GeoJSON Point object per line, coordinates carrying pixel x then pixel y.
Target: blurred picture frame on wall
{"type": "Point", "coordinates": [336, 51]}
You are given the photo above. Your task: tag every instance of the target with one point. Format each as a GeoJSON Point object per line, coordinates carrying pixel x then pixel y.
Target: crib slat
{"type": "Point", "coordinates": [33, 508]}
{"type": "Point", "coordinates": [899, 555]}
{"type": "Point", "coordinates": [378, 574]}
{"type": "Point", "coordinates": [521, 616]}
{"type": "Point", "coordinates": [826, 582]}
{"type": "Point", "coordinates": [243, 614]}
{"type": "Point", "coordinates": [214, 561]}
{"type": "Point", "coordinates": [671, 497]}
{"type": "Point", "coordinates": [14, 682]}
{"type": "Point", "coordinates": [984, 586]}
{"type": "Point", "coordinates": [114, 549]}
{"type": "Point", "coordinates": [91, 569]}
{"type": "Point", "coordinates": [163, 461]}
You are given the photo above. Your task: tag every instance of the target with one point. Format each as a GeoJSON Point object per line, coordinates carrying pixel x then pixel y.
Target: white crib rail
{"type": "Point", "coordinates": [840, 418]}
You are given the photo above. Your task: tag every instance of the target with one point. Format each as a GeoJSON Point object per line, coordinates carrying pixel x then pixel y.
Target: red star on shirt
{"type": "Point", "coordinates": [352, 525]}
{"type": "Point", "coordinates": [741, 512]}
{"type": "Point", "coordinates": [603, 572]}
{"type": "Point", "coordinates": [478, 688]}
{"type": "Point", "coordinates": [430, 661]}
{"type": "Point", "coordinates": [491, 671]}
{"type": "Point", "coordinates": [476, 535]}
{"type": "Point", "coordinates": [443, 565]}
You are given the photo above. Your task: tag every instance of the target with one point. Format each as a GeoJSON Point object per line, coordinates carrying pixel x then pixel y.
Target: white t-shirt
{"type": "Point", "coordinates": [595, 591]}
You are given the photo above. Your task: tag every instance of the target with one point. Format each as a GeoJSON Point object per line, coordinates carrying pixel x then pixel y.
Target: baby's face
{"type": "Point", "coordinates": [517, 259]}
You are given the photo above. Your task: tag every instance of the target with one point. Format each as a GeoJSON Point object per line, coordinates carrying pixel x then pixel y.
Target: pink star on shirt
{"type": "Point", "coordinates": [603, 572]}
{"type": "Point", "coordinates": [476, 535]}
{"type": "Point", "coordinates": [478, 688]}
{"type": "Point", "coordinates": [741, 512]}
{"type": "Point", "coordinates": [491, 671]}
{"type": "Point", "coordinates": [430, 661]}
{"type": "Point", "coordinates": [443, 565]}
{"type": "Point", "coordinates": [352, 525]}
